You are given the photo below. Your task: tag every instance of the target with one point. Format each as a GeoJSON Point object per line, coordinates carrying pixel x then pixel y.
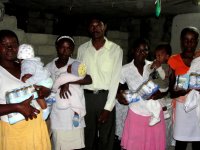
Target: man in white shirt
{"type": "Point", "coordinates": [103, 59]}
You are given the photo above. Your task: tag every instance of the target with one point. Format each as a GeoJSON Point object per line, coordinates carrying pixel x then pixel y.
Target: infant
{"type": "Point", "coordinates": [76, 101]}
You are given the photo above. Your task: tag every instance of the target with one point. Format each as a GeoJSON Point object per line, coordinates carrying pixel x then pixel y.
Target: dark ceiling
{"type": "Point", "coordinates": [107, 7]}
{"type": "Point", "coordinates": [75, 11]}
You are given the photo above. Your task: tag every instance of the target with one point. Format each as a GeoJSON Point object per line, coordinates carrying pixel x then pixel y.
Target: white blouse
{"type": "Point", "coordinates": [8, 82]}
{"type": "Point", "coordinates": [134, 79]}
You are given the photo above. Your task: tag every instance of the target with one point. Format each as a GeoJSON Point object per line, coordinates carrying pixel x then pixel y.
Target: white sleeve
{"type": "Point", "coordinates": [161, 72]}
{"type": "Point", "coordinates": [28, 68]}
{"type": "Point", "coordinates": [114, 83]}
{"type": "Point", "coordinates": [122, 79]}
{"type": "Point", "coordinates": [149, 68]}
{"type": "Point", "coordinates": [194, 67]}
{"type": "Point", "coordinates": [64, 78]}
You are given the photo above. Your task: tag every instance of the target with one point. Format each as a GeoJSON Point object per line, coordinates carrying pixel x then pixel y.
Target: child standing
{"type": "Point", "coordinates": [162, 72]}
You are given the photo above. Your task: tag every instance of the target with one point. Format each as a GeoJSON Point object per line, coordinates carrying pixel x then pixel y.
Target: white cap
{"type": "Point", "coordinates": [25, 51]}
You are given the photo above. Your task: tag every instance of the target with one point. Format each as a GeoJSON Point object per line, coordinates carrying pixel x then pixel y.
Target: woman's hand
{"type": "Point", "coordinates": [121, 99]}
{"type": "Point", "coordinates": [175, 94]}
{"type": "Point", "coordinates": [158, 95]}
{"type": "Point", "coordinates": [64, 91]}
{"type": "Point", "coordinates": [42, 91]}
{"type": "Point", "coordinates": [26, 109]}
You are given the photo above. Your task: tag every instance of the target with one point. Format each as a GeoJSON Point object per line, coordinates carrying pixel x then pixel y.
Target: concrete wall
{"type": "Point", "coordinates": [163, 29]}
{"type": "Point", "coordinates": [156, 30]}
{"type": "Point", "coordinates": [44, 43]}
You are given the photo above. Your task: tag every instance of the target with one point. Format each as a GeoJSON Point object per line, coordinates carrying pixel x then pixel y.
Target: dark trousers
{"type": "Point", "coordinates": [182, 145]}
{"type": "Point", "coordinates": [98, 136]}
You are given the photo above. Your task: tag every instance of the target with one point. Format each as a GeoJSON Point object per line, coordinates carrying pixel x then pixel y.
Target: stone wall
{"type": "Point", "coordinates": [44, 43]}
{"type": "Point", "coordinates": [156, 30]}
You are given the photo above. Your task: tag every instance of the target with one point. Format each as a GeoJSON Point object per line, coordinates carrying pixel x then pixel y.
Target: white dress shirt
{"type": "Point", "coordinates": [104, 66]}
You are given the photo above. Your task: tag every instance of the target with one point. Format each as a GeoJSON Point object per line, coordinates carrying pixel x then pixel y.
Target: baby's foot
{"type": "Point", "coordinates": [154, 121]}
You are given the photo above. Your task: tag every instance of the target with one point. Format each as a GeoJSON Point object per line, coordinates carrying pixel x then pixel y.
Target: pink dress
{"type": "Point", "coordinates": [137, 134]}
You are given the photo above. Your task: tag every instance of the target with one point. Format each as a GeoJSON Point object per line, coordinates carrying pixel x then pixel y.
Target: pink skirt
{"type": "Point", "coordinates": [138, 135]}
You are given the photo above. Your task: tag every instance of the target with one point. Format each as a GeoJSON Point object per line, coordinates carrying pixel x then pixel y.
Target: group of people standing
{"type": "Point", "coordinates": [90, 123]}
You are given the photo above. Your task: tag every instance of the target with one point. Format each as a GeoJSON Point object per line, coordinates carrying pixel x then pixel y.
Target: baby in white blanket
{"type": "Point", "coordinates": [75, 101]}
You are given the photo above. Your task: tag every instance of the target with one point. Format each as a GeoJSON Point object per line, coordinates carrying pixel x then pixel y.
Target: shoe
{"type": "Point", "coordinates": [154, 121]}
{"type": "Point", "coordinates": [166, 114]}
{"type": "Point", "coordinates": [75, 120]}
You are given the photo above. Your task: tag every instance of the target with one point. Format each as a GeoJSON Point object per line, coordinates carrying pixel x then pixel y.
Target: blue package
{"type": "Point", "coordinates": [18, 96]}
{"type": "Point", "coordinates": [182, 82]}
{"type": "Point", "coordinates": [147, 89]}
{"type": "Point", "coordinates": [194, 82]}
{"type": "Point", "coordinates": [131, 97]}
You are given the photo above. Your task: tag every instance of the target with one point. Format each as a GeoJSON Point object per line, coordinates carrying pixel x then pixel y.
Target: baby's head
{"type": "Point", "coordinates": [163, 52]}
{"type": "Point", "coordinates": [25, 51]}
{"type": "Point", "coordinates": [77, 68]}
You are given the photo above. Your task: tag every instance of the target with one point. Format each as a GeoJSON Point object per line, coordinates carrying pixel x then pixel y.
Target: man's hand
{"type": "Point", "coordinates": [27, 110]}
{"type": "Point", "coordinates": [103, 118]}
{"type": "Point", "coordinates": [64, 91]}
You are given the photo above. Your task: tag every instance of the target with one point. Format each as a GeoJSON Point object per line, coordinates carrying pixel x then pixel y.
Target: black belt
{"type": "Point", "coordinates": [95, 91]}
